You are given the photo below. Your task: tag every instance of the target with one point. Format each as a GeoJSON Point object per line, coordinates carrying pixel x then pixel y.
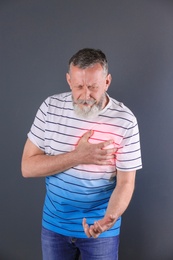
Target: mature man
{"type": "Point", "coordinates": [87, 146]}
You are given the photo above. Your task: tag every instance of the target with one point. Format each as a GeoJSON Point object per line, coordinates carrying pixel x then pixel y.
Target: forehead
{"type": "Point", "coordinates": [93, 74]}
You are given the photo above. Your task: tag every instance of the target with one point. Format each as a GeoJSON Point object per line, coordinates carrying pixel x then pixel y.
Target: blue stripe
{"type": "Point", "coordinates": [79, 136]}
{"type": "Point", "coordinates": [57, 141]}
{"type": "Point", "coordinates": [58, 107]}
{"type": "Point", "coordinates": [99, 171]}
{"type": "Point", "coordinates": [131, 168]}
{"type": "Point", "coordinates": [125, 138]}
{"type": "Point", "coordinates": [81, 201]}
{"type": "Point", "coordinates": [56, 150]}
{"type": "Point", "coordinates": [80, 193]}
{"type": "Point", "coordinates": [116, 117]}
{"type": "Point", "coordinates": [63, 96]}
{"type": "Point", "coordinates": [75, 178]}
{"type": "Point", "coordinates": [37, 136]}
{"type": "Point", "coordinates": [42, 112]}
{"type": "Point", "coordinates": [134, 159]}
{"type": "Point", "coordinates": [39, 128]}
{"type": "Point", "coordinates": [39, 119]}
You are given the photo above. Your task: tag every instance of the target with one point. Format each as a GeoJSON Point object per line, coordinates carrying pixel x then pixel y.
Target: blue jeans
{"type": "Point", "coordinates": [59, 247]}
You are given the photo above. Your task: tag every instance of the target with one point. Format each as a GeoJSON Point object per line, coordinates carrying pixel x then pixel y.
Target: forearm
{"type": "Point", "coordinates": [118, 203]}
{"type": "Point", "coordinates": [42, 165]}
{"type": "Point", "coordinates": [35, 163]}
{"type": "Point", "coordinates": [120, 200]}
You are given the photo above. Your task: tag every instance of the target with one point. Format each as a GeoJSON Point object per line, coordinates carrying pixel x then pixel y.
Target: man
{"type": "Point", "coordinates": [87, 146]}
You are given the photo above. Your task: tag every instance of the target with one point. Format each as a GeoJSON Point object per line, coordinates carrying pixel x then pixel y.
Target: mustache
{"type": "Point", "coordinates": [85, 102]}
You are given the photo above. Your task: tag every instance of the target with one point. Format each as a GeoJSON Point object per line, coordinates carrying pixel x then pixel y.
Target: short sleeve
{"type": "Point", "coordinates": [128, 156]}
{"type": "Point", "coordinates": [37, 131]}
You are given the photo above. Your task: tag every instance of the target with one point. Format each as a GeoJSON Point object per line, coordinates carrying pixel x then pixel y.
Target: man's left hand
{"type": "Point", "coordinates": [99, 226]}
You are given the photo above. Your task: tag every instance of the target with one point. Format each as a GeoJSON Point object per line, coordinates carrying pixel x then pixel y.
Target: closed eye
{"type": "Point", "coordinates": [92, 88]}
{"type": "Point", "coordinates": [79, 87]}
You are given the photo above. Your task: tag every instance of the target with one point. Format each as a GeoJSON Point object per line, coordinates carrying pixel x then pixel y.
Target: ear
{"type": "Point", "coordinates": [68, 79]}
{"type": "Point", "coordinates": [108, 81]}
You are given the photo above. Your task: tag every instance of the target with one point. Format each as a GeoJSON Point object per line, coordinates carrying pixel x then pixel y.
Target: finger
{"type": "Point", "coordinates": [98, 228]}
{"type": "Point", "coordinates": [106, 158]}
{"type": "Point", "coordinates": [105, 161]}
{"type": "Point", "coordinates": [84, 138]}
{"type": "Point", "coordinates": [110, 157]}
{"type": "Point", "coordinates": [110, 151]}
{"type": "Point", "coordinates": [86, 228]}
{"type": "Point", "coordinates": [105, 143]}
{"type": "Point", "coordinates": [87, 135]}
{"type": "Point", "coordinates": [94, 232]}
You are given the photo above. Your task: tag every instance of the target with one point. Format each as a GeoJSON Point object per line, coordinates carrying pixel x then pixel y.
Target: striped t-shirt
{"type": "Point", "coordinates": [84, 190]}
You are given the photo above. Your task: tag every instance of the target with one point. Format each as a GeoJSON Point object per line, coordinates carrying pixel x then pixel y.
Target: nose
{"type": "Point", "coordinates": [86, 93]}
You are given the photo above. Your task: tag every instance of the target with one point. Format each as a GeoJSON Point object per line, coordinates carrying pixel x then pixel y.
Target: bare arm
{"type": "Point", "coordinates": [35, 163]}
{"type": "Point", "coordinates": [118, 203]}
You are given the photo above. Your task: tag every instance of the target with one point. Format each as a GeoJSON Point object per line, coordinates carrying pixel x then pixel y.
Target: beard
{"type": "Point", "coordinates": [89, 109]}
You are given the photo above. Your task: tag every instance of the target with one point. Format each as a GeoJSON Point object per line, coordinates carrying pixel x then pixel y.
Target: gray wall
{"type": "Point", "coordinates": [37, 39]}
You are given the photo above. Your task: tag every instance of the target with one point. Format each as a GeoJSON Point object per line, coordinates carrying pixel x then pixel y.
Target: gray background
{"type": "Point", "coordinates": [37, 40]}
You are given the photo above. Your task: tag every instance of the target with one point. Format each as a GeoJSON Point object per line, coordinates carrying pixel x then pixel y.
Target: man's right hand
{"type": "Point", "coordinates": [89, 153]}
{"type": "Point", "coordinates": [35, 163]}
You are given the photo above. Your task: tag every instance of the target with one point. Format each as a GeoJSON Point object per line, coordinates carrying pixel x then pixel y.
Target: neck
{"type": "Point", "coordinates": [105, 100]}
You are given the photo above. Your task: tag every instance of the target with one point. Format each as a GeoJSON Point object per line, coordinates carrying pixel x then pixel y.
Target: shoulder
{"type": "Point", "coordinates": [56, 101]}
{"type": "Point", "coordinates": [59, 98]}
{"type": "Point", "coordinates": [118, 109]}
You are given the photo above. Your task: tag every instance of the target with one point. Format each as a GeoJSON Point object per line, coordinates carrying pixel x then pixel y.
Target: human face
{"type": "Point", "coordinates": [88, 88]}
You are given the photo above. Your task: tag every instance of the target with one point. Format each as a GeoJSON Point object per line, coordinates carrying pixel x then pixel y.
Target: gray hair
{"type": "Point", "coordinates": [88, 57]}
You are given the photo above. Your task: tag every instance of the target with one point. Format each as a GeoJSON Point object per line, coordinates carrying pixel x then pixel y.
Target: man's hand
{"type": "Point", "coordinates": [98, 154]}
{"type": "Point", "coordinates": [35, 163]}
{"type": "Point", "coordinates": [99, 226]}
